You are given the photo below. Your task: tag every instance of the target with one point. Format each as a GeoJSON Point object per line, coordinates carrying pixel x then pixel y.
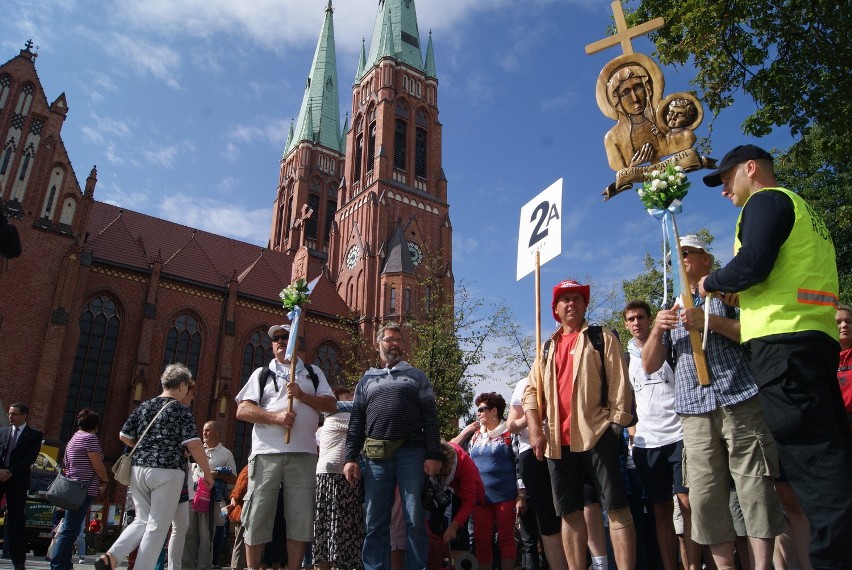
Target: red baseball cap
{"type": "Point", "coordinates": [568, 286]}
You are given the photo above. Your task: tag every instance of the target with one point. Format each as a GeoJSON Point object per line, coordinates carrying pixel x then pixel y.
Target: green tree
{"type": "Point", "coordinates": [448, 341]}
{"type": "Point", "coordinates": [791, 59]}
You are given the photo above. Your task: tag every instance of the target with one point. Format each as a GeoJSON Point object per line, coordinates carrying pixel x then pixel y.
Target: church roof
{"type": "Point", "coordinates": [395, 34]}
{"type": "Point", "coordinates": [319, 115]}
{"type": "Point", "coordinates": [133, 240]}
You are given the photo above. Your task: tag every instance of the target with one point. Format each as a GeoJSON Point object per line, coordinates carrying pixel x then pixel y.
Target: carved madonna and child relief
{"type": "Point", "coordinates": [651, 131]}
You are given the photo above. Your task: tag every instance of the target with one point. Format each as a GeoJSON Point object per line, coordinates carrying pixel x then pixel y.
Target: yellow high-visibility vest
{"type": "Point", "coordinates": [800, 293]}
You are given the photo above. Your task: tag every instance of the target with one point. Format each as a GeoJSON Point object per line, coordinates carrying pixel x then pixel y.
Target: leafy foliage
{"type": "Point", "coordinates": [448, 342]}
{"type": "Point", "coordinates": [791, 59]}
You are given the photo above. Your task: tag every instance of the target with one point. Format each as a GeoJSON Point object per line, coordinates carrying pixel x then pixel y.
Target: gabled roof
{"type": "Point", "coordinates": [396, 24]}
{"type": "Point", "coordinates": [398, 258]}
{"type": "Point", "coordinates": [188, 254]}
{"type": "Point", "coordinates": [319, 115]}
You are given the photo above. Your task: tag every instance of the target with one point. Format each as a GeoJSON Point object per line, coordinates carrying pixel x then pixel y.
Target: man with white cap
{"type": "Point", "coordinates": [263, 401]}
{"type": "Point", "coordinates": [785, 272]}
{"type": "Point", "coordinates": [724, 434]}
{"type": "Point", "coordinates": [585, 398]}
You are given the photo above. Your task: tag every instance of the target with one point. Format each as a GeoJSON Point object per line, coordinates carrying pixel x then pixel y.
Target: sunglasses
{"type": "Point", "coordinates": [281, 338]}
{"type": "Point", "coordinates": [482, 409]}
{"type": "Point", "coordinates": [686, 252]}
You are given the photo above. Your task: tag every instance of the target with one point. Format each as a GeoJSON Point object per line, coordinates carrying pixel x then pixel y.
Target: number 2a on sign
{"type": "Point", "coordinates": [540, 229]}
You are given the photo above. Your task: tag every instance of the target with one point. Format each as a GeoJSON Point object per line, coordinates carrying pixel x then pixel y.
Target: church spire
{"type": "Point", "coordinates": [430, 58]}
{"type": "Point", "coordinates": [396, 24]}
{"type": "Point", "coordinates": [319, 115]}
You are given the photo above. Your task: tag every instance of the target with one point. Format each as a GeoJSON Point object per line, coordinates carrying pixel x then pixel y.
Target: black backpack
{"type": "Point", "coordinates": [265, 373]}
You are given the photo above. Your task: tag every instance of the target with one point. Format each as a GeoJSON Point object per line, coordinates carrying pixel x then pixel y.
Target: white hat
{"type": "Point", "coordinates": [691, 240]}
{"type": "Point", "coordinates": [275, 328]}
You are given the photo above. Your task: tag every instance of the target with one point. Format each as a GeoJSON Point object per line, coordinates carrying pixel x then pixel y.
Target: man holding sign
{"type": "Point", "coordinates": [582, 383]}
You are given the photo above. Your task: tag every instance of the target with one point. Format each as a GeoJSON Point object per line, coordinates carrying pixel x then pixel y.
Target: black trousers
{"type": "Point", "coordinates": [800, 396]}
{"type": "Point", "coordinates": [16, 521]}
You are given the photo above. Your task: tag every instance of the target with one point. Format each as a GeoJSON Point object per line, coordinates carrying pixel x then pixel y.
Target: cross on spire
{"type": "Point", "coordinates": [624, 34]}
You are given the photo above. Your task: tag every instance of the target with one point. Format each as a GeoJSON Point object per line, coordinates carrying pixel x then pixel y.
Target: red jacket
{"type": "Point", "coordinates": [467, 485]}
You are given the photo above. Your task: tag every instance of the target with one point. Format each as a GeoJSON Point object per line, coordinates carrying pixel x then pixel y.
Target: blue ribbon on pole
{"type": "Point", "coordinates": [667, 217]}
{"type": "Point", "coordinates": [295, 317]}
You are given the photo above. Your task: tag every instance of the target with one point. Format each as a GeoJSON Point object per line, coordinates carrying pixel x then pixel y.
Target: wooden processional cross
{"type": "Point", "coordinates": [624, 35]}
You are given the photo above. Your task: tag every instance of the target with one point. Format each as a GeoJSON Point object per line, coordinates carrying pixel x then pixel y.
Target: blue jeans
{"type": "Point", "coordinates": [380, 479]}
{"type": "Point", "coordinates": [74, 520]}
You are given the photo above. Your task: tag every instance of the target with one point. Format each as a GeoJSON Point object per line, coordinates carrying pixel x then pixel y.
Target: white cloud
{"type": "Point", "coordinates": [218, 217]}
{"type": "Point", "coordinates": [272, 132]}
{"type": "Point", "coordinates": [164, 156]}
{"type": "Point", "coordinates": [146, 57]}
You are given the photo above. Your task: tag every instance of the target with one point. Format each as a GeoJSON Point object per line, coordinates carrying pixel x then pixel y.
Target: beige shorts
{"type": "Point", "coordinates": [731, 443]}
{"type": "Point", "coordinates": [266, 473]}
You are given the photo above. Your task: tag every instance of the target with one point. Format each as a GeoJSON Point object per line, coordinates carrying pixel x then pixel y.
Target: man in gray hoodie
{"type": "Point", "coordinates": [395, 423]}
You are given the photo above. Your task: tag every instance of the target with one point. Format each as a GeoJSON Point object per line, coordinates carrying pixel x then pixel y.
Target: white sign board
{"type": "Point", "coordinates": [541, 229]}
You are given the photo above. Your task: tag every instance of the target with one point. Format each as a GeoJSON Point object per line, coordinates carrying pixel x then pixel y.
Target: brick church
{"type": "Point", "coordinates": [102, 297]}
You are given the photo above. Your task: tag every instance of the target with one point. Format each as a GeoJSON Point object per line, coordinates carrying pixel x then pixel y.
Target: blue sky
{"type": "Point", "coordinates": [184, 107]}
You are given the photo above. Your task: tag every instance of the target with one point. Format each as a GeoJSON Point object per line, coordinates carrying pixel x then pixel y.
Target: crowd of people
{"type": "Point", "coordinates": [734, 454]}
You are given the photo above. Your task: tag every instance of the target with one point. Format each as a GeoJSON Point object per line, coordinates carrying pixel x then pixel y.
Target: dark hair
{"type": "Point", "coordinates": [846, 308]}
{"type": "Point", "coordinates": [636, 304]}
{"type": "Point", "coordinates": [492, 400]}
{"type": "Point", "coordinates": [338, 390]}
{"type": "Point", "coordinates": [87, 420]}
{"type": "Point", "coordinates": [23, 408]}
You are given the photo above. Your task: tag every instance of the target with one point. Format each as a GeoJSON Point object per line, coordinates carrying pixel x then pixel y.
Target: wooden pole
{"type": "Point", "coordinates": [686, 295]}
{"type": "Point", "coordinates": [540, 375]}
{"type": "Point", "coordinates": [290, 392]}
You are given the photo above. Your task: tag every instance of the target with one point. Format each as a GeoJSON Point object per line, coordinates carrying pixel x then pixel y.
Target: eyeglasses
{"type": "Point", "coordinates": [686, 252]}
{"type": "Point", "coordinates": [482, 409]}
{"type": "Point", "coordinates": [392, 340]}
{"type": "Point", "coordinates": [281, 338]}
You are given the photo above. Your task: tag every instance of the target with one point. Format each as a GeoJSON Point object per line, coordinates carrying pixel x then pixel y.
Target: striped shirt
{"type": "Point", "coordinates": [78, 466]}
{"type": "Point", "coordinates": [393, 404]}
{"type": "Point", "coordinates": [731, 378]}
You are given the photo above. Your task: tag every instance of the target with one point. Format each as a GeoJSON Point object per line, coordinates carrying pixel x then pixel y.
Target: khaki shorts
{"type": "Point", "coordinates": [266, 473]}
{"type": "Point", "coordinates": [731, 443]}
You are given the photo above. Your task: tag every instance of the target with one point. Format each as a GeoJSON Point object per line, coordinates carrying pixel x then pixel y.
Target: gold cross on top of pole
{"type": "Point", "coordinates": [624, 34]}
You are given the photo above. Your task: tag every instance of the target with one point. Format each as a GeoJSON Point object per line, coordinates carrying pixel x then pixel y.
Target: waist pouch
{"type": "Point", "coordinates": [381, 448]}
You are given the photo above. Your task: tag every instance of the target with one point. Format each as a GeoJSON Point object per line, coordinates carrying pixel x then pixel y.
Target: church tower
{"type": "Point", "coordinates": [392, 227]}
{"type": "Point", "coordinates": [312, 164]}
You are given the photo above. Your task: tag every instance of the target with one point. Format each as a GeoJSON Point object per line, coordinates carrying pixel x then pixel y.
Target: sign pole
{"type": "Point", "coordinates": [538, 361]}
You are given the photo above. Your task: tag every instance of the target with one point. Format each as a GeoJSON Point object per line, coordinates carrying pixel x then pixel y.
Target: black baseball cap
{"type": "Point", "coordinates": [739, 154]}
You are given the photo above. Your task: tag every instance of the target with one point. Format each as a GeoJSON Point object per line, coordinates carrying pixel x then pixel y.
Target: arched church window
{"type": "Point", "coordinates": [400, 137]}
{"type": "Point", "coordinates": [256, 354]}
{"type": "Point", "coordinates": [420, 151]}
{"type": "Point", "coordinates": [68, 210]}
{"type": "Point", "coordinates": [371, 148]}
{"type": "Point", "coordinates": [327, 361]}
{"type": "Point", "coordinates": [5, 88]}
{"type": "Point", "coordinates": [90, 375]}
{"type": "Point", "coordinates": [183, 343]}
{"type": "Point", "coordinates": [359, 147]}
{"type": "Point", "coordinates": [393, 300]}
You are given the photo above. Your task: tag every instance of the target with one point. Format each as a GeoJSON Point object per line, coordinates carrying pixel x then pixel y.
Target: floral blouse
{"type": "Point", "coordinates": [163, 445]}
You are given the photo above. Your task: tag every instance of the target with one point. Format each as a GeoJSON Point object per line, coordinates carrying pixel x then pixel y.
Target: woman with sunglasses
{"type": "Point", "coordinates": [491, 451]}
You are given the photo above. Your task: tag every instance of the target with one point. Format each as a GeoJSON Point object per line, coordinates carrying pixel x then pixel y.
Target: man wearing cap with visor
{"type": "Point", "coordinates": [264, 402]}
{"type": "Point", "coordinates": [582, 425]}
{"type": "Point", "coordinates": [785, 272]}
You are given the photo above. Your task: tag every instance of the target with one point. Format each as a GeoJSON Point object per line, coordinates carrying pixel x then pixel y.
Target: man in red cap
{"type": "Point", "coordinates": [585, 399]}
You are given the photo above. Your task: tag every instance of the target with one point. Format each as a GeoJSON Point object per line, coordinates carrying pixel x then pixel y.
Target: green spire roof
{"type": "Point", "coordinates": [430, 58]}
{"type": "Point", "coordinates": [319, 115]}
{"type": "Point", "coordinates": [395, 34]}
{"type": "Point", "coordinates": [362, 61]}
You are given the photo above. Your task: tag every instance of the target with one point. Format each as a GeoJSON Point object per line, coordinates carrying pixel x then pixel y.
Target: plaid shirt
{"type": "Point", "coordinates": [732, 381]}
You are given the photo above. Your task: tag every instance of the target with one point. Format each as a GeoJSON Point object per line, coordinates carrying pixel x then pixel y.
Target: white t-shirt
{"type": "Point", "coordinates": [658, 424]}
{"type": "Point", "coordinates": [269, 438]}
{"type": "Point", "coordinates": [517, 400]}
